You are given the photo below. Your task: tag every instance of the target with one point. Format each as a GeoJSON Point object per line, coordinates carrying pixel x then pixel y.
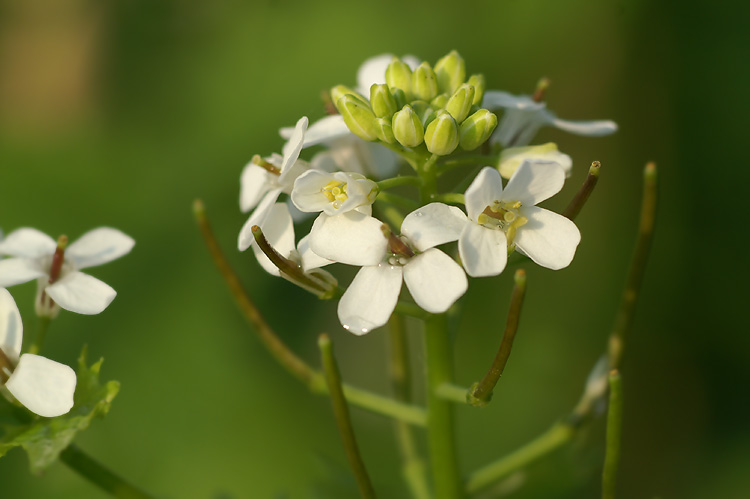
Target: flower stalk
{"type": "Point", "coordinates": [574, 208]}
{"type": "Point", "coordinates": [481, 392]}
{"type": "Point", "coordinates": [614, 436]}
{"type": "Point", "coordinates": [343, 420]}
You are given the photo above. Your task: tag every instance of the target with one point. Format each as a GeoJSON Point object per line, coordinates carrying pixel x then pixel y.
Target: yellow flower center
{"type": "Point", "coordinates": [505, 216]}
{"type": "Point", "coordinates": [335, 192]}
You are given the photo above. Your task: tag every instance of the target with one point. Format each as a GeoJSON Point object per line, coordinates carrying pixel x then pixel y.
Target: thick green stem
{"type": "Point", "coordinates": [614, 434]}
{"type": "Point", "coordinates": [389, 183]}
{"type": "Point", "coordinates": [414, 469]}
{"type": "Point", "coordinates": [624, 318]}
{"type": "Point", "coordinates": [100, 476]}
{"type": "Point", "coordinates": [343, 421]}
{"type": "Point", "coordinates": [440, 425]}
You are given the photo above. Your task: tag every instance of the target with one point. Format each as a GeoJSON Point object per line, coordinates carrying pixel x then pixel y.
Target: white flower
{"type": "Point", "coordinates": [524, 116]}
{"type": "Point", "coordinates": [33, 257]}
{"type": "Point", "coordinates": [373, 71]}
{"type": "Point", "coordinates": [434, 280]}
{"type": "Point", "coordinates": [502, 219]}
{"type": "Point", "coordinates": [332, 193]}
{"type": "Point", "coordinates": [44, 386]}
{"type": "Point", "coordinates": [512, 157]}
{"type": "Point", "coordinates": [260, 187]}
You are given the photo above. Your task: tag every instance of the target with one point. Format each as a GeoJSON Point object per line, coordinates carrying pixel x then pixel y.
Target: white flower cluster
{"type": "Point", "coordinates": [337, 184]}
{"type": "Point", "coordinates": [42, 385]}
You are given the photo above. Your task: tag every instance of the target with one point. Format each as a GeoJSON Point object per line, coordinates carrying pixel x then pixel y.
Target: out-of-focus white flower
{"type": "Point", "coordinates": [35, 255]}
{"type": "Point", "coordinates": [524, 116]}
{"type": "Point", "coordinates": [260, 186]}
{"type": "Point", "coordinates": [332, 193]}
{"type": "Point", "coordinates": [503, 219]}
{"type": "Point", "coordinates": [434, 279]}
{"type": "Point", "coordinates": [44, 386]}
{"type": "Point", "coordinates": [512, 157]}
{"type": "Point", "coordinates": [372, 71]}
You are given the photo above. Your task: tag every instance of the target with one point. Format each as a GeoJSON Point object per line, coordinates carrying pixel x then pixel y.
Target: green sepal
{"type": "Point", "coordinates": [407, 127]}
{"type": "Point", "coordinates": [399, 96]}
{"type": "Point", "coordinates": [476, 129]}
{"type": "Point", "coordinates": [382, 101]}
{"type": "Point", "coordinates": [385, 130]}
{"type": "Point", "coordinates": [441, 135]}
{"type": "Point", "coordinates": [45, 438]}
{"type": "Point", "coordinates": [477, 81]}
{"type": "Point", "coordinates": [398, 75]}
{"type": "Point", "coordinates": [460, 102]}
{"type": "Point", "coordinates": [358, 117]}
{"type": "Point", "coordinates": [450, 72]}
{"type": "Point", "coordinates": [424, 83]}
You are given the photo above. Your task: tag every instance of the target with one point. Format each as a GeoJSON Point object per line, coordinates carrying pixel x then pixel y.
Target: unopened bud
{"type": "Point", "coordinates": [338, 92]}
{"type": "Point", "coordinates": [398, 75]}
{"type": "Point", "coordinates": [476, 129]}
{"type": "Point", "coordinates": [424, 111]}
{"type": "Point", "coordinates": [358, 117]}
{"type": "Point", "coordinates": [407, 127]}
{"type": "Point", "coordinates": [440, 101]}
{"type": "Point", "coordinates": [382, 101]}
{"type": "Point", "coordinates": [441, 136]}
{"type": "Point", "coordinates": [450, 72]}
{"type": "Point", "coordinates": [424, 83]}
{"type": "Point", "coordinates": [460, 102]}
{"type": "Point", "coordinates": [399, 96]}
{"type": "Point", "coordinates": [385, 130]}
{"type": "Point", "coordinates": [477, 81]}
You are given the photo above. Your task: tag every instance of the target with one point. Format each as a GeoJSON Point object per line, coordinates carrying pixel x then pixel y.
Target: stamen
{"type": "Point", "coordinates": [257, 160]}
{"type": "Point", "coordinates": [541, 89]}
{"type": "Point", "coordinates": [6, 367]}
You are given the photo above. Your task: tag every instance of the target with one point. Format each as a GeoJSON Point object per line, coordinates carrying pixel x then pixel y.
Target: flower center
{"type": "Point", "coordinates": [505, 216]}
{"type": "Point", "coordinates": [335, 193]}
{"type": "Point", "coordinates": [399, 251]}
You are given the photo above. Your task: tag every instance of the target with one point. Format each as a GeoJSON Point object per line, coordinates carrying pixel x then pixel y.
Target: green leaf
{"type": "Point", "coordinates": [44, 438]}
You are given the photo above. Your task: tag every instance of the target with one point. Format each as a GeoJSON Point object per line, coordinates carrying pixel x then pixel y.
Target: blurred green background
{"type": "Point", "coordinates": [122, 113]}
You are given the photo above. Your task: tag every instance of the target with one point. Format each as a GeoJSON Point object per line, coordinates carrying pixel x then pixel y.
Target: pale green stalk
{"type": "Point", "coordinates": [614, 436]}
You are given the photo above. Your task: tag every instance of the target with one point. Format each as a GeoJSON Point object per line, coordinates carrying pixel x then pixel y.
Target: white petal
{"type": "Point", "coordinates": [494, 99]}
{"type": "Point", "coordinates": [81, 293]}
{"type": "Point", "coordinates": [278, 229]}
{"type": "Point", "coordinates": [433, 224]}
{"type": "Point", "coordinates": [372, 71]}
{"type": "Point", "coordinates": [588, 128]}
{"type": "Point", "coordinates": [11, 328]}
{"type": "Point", "coordinates": [532, 183]}
{"type": "Point", "coordinates": [484, 251]}
{"type": "Point", "coordinates": [99, 246]}
{"type": "Point", "coordinates": [310, 259]}
{"type": "Point", "coordinates": [44, 386]}
{"type": "Point", "coordinates": [352, 238]}
{"type": "Point", "coordinates": [511, 158]}
{"type": "Point", "coordinates": [293, 146]}
{"type": "Point", "coordinates": [370, 298]}
{"type": "Point", "coordinates": [254, 182]}
{"type": "Point", "coordinates": [325, 129]}
{"type": "Point", "coordinates": [19, 270]}
{"type": "Point", "coordinates": [246, 238]}
{"type": "Point", "coordinates": [28, 243]}
{"type": "Point", "coordinates": [484, 190]}
{"type": "Point", "coordinates": [287, 177]}
{"type": "Point", "coordinates": [381, 162]}
{"type": "Point", "coordinates": [548, 238]}
{"type": "Point", "coordinates": [434, 280]}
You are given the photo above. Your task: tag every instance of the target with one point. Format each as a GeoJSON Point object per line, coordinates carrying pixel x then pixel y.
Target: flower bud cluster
{"type": "Point", "coordinates": [435, 106]}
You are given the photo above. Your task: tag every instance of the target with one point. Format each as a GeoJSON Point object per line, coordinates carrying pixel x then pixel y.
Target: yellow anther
{"type": "Point", "coordinates": [509, 216]}
{"type": "Point", "coordinates": [342, 197]}
{"type": "Point", "coordinates": [482, 219]}
{"type": "Point", "coordinates": [336, 191]}
{"type": "Point", "coordinates": [328, 196]}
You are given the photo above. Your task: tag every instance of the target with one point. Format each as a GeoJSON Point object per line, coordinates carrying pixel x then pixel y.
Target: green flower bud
{"type": "Point", "coordinates": [424, 83]}
{"type": "Point", "coordinates": [440, 101]}
{"type": "Point", "coordinates": [385, 130]}
{"type": "Point", "coordinates": [338, 92]}
{"type": "Point", "coordinates": [358, 117]}
{"type": "Point", "coordinates": [451, 72]}
{"type": "Point", "coordinates": [476, 129]}
{"type": "Point", "coordinates": [460, 102]}
{"type": "Point", "coordinates": [407, 127]}
{"type": "Point", "coordinates": [382, 101]}
{"type": "Point", "coordinates": [399, 96]}
{"type": "Point", "coordinates": [421, 108]}
{"type": "Point", "coordinates": [477, 81]}
{"type": "Point", "coordinates": [398, 75]}
{"type": "Point", "coordinates": [441, 136]}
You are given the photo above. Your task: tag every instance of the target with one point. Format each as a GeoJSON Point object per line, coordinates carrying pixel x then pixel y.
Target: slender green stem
{"type": "Point", "coordinates": [574, 208]}
{"type": "Point", "coordinates": [411, 310]}
{"type": "Point", "coordinates": [467, 180]}
{"type": "Point", "coordinates": [624, 318]}
{"type": "Point", "coordinates": [298, 368]}
{"type": "Point", "coordinates": [481, 392]}
{"type": "Point", "coordinates": [396, 200]}
{"type": "Point", "coordinates": [343, 420]}
{"type": "Point", "coordinates": [41, 333]}
{"type": "Point", "coordinates": [411, 157]}
{"type": "Point", "coordinates": [483, 160]}
{"type": "Point", "coordinates": [453, 393]}
{"type": "Point", "coordinates": [414, 469]}
{"type": "Point", "coordinates": [614, 436]}
{"type": "Point", "coordinates": [390, 183]}
{"type": "Point", "coordinates": [440, 423]}
{"type": "Point", "coordinates": [100, 476]}
{"type": "Point", "coordinates": [547, 442]}
{"type": "Point", "coordinates": [450, 198]}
